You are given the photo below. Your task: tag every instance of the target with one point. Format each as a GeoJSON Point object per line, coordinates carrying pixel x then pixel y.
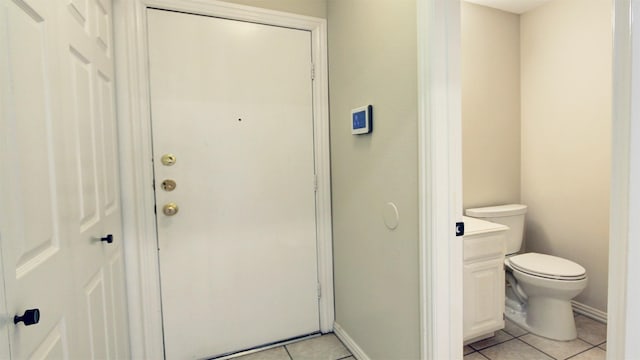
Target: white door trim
{"type": "Point", "coordinates": [141, 254]}
{"type": "Point", "coordinates": [440, 178]}
{"type": "Point", "coordinates": [440, 256]}
{"type": "Point", "coordinates": [624, 250]}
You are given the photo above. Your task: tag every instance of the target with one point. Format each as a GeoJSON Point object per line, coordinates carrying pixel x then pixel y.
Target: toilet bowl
{"type": "Point", "coordinates": [539, 286]}
{"type": "Point", "coordinates": [546, 284]}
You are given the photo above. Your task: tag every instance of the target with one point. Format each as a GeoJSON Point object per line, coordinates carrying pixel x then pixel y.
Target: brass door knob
{"type": "Point", "coordinates": [170, 209]}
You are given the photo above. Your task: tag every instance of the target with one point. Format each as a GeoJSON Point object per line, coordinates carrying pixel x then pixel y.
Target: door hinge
{"type": "Point", "coordinates": [313, 71]}
{"type": "Point", "coordinates": [319, 291]}
{"type": "Point", "coordinates": [315, 183]}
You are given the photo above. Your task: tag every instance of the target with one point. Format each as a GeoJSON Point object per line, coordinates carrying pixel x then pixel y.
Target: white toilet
{"type": "Point", "coordinates": [539, 287]}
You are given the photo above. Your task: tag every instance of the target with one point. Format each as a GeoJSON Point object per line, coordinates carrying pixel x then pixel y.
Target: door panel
{"type": "Point", "coordinates": [109, 151]}
{"type": "Point", "coordinates": [97, 319]}
{"type": "Point", "coordinates": [117, 307]}
{"type": "Point", "coordinates": [232, 101]}
{"type": "Point", "coordinates": [85, 164]}
{"type": "Point", "coordinates": [31, 123]}
{"type": "Point", "coordinates": [54, 346]}
{"type": "Point", "coordinates": [103, 27]}
{"type": "Point", "coordinates": [80, 11]}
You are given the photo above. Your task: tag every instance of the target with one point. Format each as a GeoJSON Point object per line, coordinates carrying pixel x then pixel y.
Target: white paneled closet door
{"type": "Point", "coordinates": [34, 240]}
{"type": "Point", "coordinates": [60, 228]}
{"type": "Point", "coordinates": [98, 264]}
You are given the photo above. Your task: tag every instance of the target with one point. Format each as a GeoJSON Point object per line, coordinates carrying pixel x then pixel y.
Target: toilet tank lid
{"type": "Point", "coordinates": [495, 211]}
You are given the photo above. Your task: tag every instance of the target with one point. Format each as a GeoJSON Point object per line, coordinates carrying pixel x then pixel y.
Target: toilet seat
{"type": "Point", "coordinates": [546, 266]}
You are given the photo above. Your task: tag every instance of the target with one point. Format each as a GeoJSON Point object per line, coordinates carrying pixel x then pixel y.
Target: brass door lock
{"type": "Point", "coordinates": [168, 185]}
{"type": "Point", "coordinates": [168, 159]}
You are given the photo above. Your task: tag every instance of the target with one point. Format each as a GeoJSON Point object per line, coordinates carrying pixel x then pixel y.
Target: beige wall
{"type": "Point", "coordinates": [372, 60]}
{"type": "Point", "coordinates": [562, 134]}
{"type": "Point", "coordinates": [566, 126]}
{"type": "Point", "coordinates": [490, 75]}
{"type": "Point", "coordinates": [316, 8]}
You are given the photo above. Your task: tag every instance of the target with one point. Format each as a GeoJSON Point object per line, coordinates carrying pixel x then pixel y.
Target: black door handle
{"type": "Point", "coordinates": [30, 317]}
{"type": "Point", "coordinates": [108, 239]}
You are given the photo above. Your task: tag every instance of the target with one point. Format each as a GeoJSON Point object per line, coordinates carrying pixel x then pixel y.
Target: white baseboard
{"type": "Point", "coordinates": [357, 352]}
{"type": "Point", "coordinates": [590, 312]}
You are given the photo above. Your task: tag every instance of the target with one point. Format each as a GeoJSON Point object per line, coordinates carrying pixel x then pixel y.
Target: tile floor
{"type": "Point", "coordinates": [514, 343]}
{"type": "Point", "coordinates": [325, 347]}
{"type": "Point", "coordinates": [511, 343]}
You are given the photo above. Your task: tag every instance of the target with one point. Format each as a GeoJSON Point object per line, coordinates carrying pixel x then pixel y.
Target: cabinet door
{"type": "Point", "coordinates": [483, 297]}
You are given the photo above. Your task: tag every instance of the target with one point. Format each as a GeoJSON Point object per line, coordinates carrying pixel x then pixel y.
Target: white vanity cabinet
{"type": "Point", "coordinates": [483, 278]}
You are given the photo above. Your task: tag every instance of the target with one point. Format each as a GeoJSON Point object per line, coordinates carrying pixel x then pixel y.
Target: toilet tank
{"type": "Point", "coordinates": [511, 215]}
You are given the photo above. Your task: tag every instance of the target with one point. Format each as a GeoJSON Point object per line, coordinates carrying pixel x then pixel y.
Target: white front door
{"type": "Point", "coordinates": [59, 181]}
{"type": "Point", "coordinates": [231, 102]}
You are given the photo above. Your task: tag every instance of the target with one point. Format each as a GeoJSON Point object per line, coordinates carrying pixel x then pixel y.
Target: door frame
{"type": "Point", "coordinates": [439, 137]}
{"type": "Point", "coordinates": [440, 178]}
{"type": "Point", "coordinates": [623, 317]}
{"type": "Point", "coordinates": [134, 120]}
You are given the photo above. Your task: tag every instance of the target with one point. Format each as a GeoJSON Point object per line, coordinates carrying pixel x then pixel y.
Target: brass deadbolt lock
{"type": "Point", "coordinates": [168, 185]}
{"type": "Point", "coordinates": [170, 209]}
{"type": "Point", "coordinates": [168, 159]}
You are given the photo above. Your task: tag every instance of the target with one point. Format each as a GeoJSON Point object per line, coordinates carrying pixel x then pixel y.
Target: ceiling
{"type": "Point", "coordinates": [513, 6]}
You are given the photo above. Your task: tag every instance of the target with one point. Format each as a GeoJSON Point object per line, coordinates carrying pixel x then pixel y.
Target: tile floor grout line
{"type": "Point", "coordinates": [581, 352]}
{"type": "Point", "coordinates": [519, 336]}
{"type": "Point", "coordinates": [492, 345]}
{"type": "Point", "coordinates": [472, 351]}
{"type": "Point", "coordinates": [533, 346]}
{"type": "Point", "coordinates": [549, 355]}
{"type": "Point", "coordinates": [590, 343]}
{"type": "Point", "coordinates": [288, 353]}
